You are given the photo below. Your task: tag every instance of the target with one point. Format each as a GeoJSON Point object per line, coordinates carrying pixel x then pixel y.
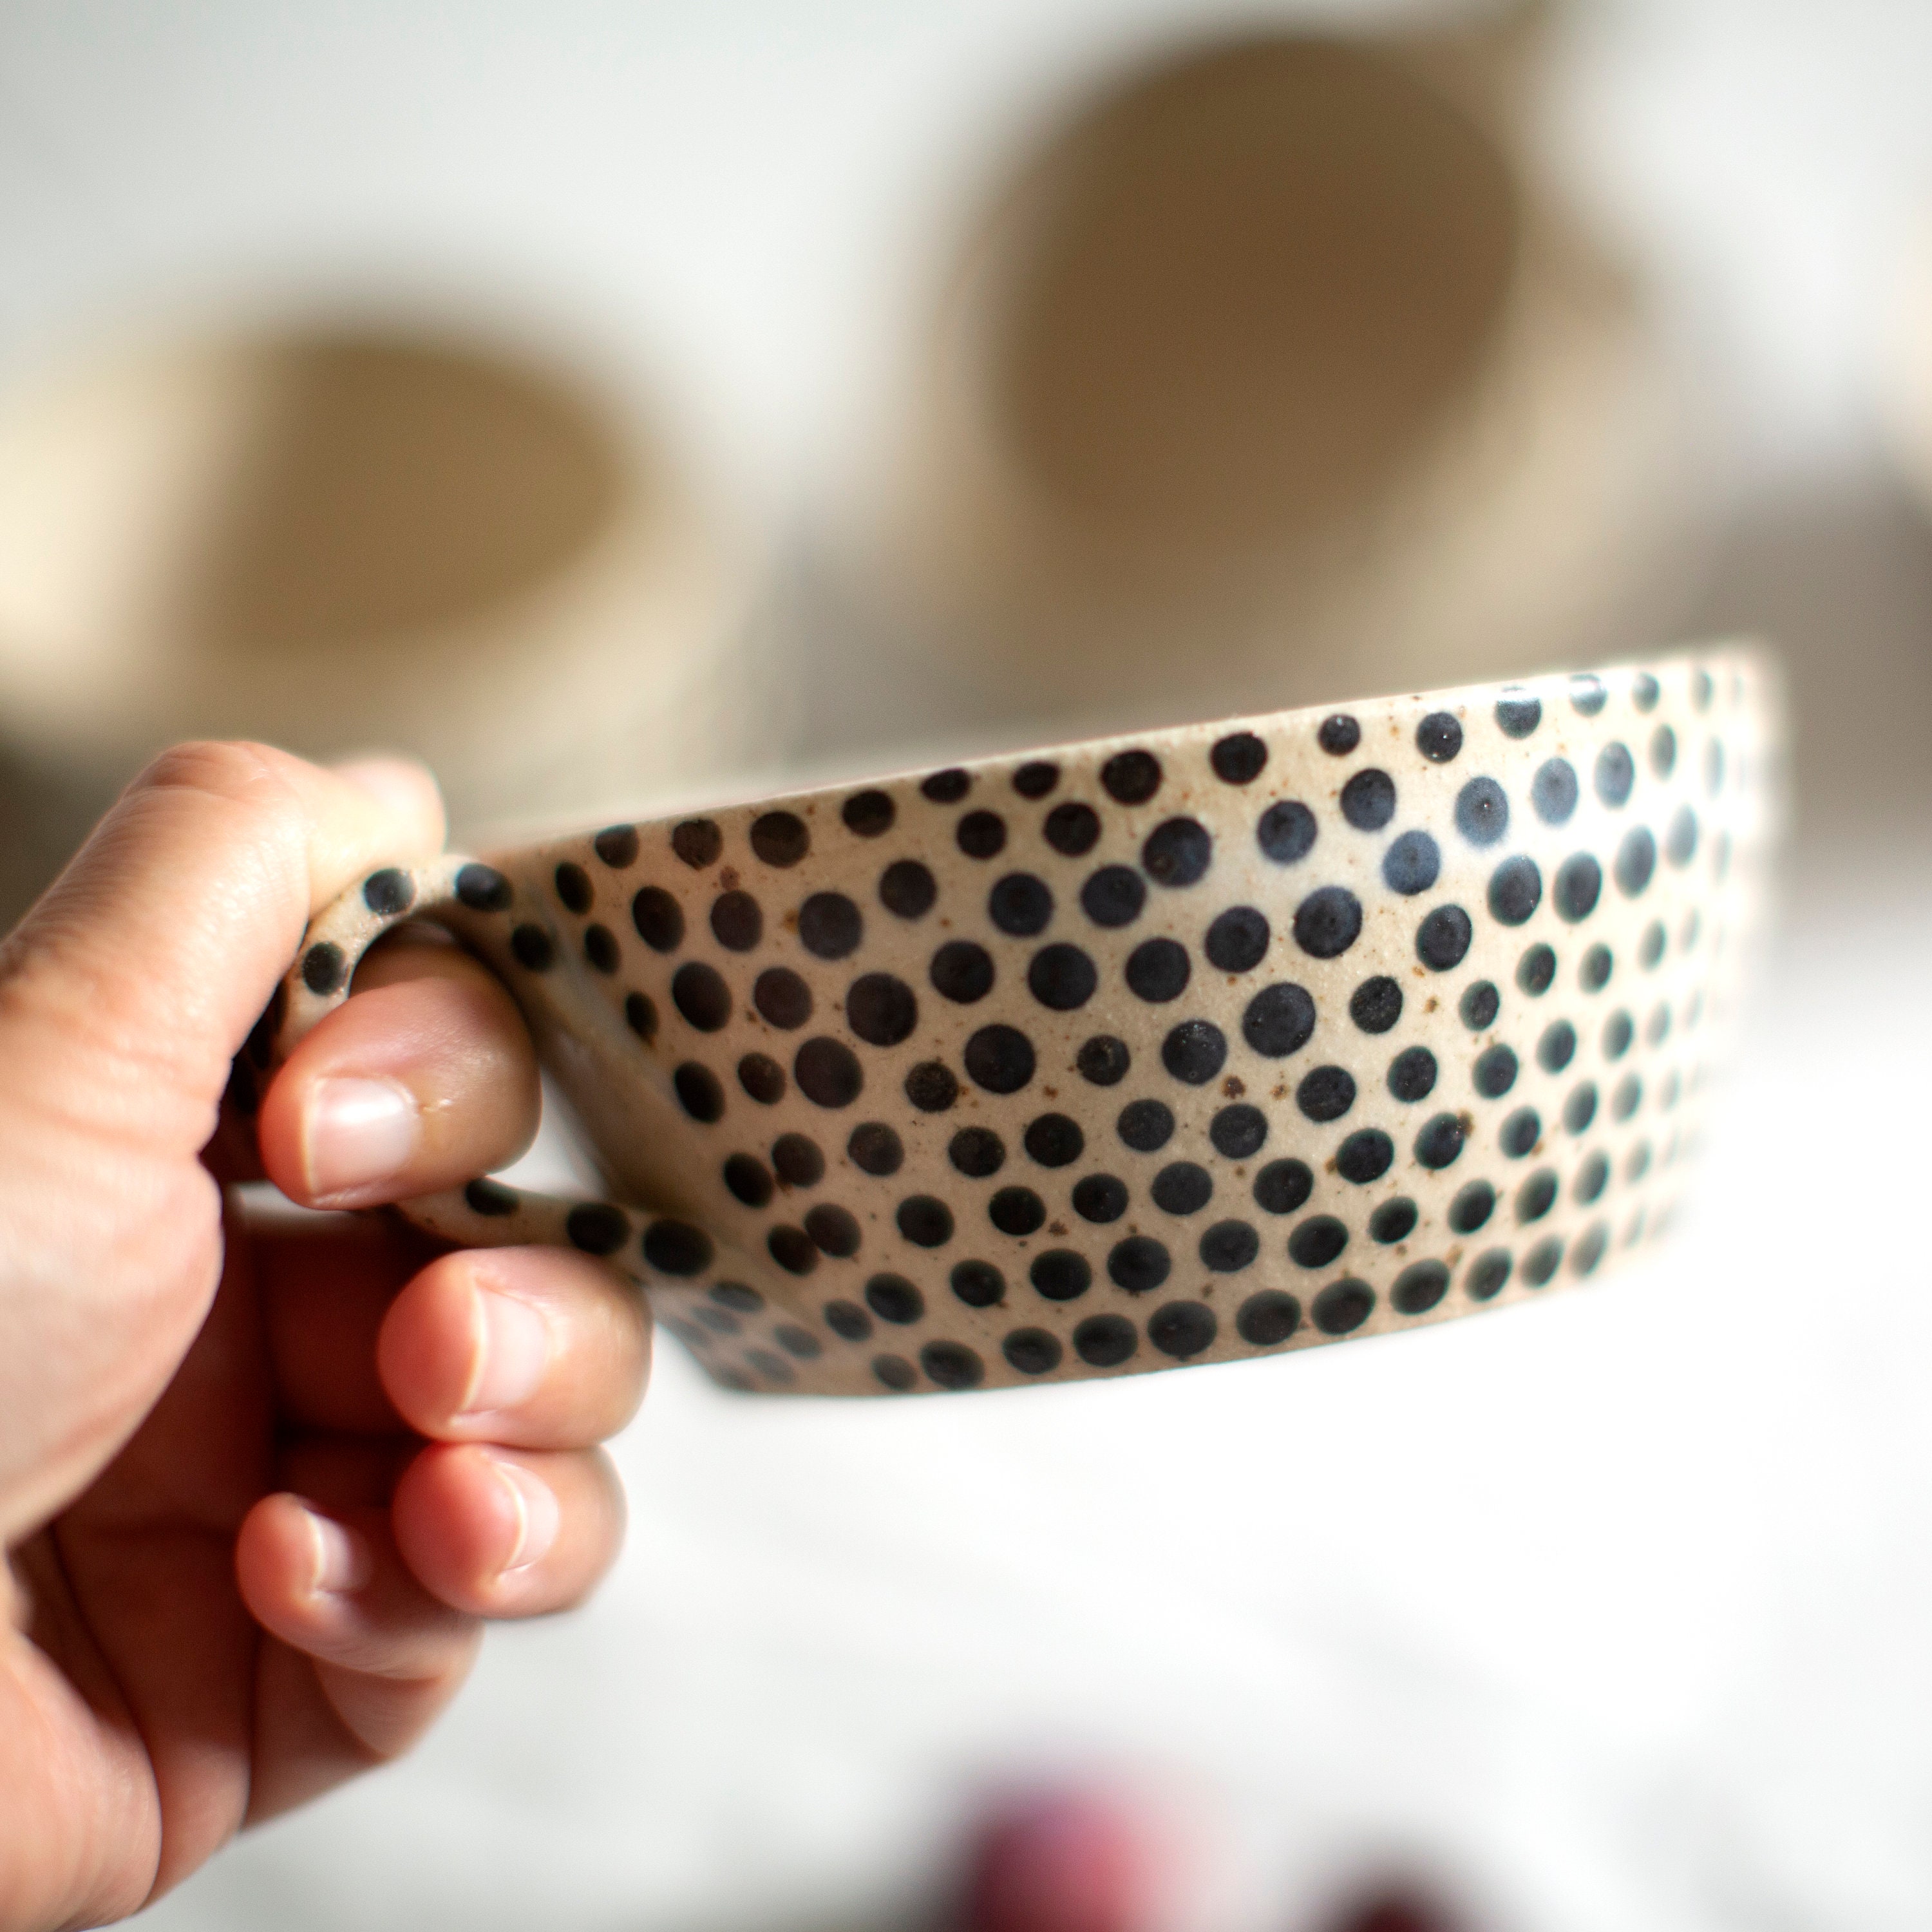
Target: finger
{"type": "Point", "coordinates": [530, 1347]}
{"type": "Point", "coordinates": [333, 1586]}
{"type": "Point", "coordinates": [507, 1533]}
{"type": "Point", "coordinates": [143, 968]}
{"type": "Point", "coordinates": [423, 1079]}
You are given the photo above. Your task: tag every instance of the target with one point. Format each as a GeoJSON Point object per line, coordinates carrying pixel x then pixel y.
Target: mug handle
{"type": "Point", "coordinates": [651, 1250]}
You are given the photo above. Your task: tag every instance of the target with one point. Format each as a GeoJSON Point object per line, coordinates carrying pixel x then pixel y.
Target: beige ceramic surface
{"type": "Point", "coordinates": [1194, 1045]}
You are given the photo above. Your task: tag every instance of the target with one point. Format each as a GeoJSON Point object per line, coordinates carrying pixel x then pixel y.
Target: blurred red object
{"type": "Point", "coordinates": [1064, 1861]}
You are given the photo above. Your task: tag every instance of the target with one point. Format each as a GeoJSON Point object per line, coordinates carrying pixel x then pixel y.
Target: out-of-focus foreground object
{"type": "Point", "coordinates": [1909, 417]}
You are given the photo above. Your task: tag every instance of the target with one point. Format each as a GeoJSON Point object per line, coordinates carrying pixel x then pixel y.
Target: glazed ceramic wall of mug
{"type": "Point", "coordinates": [1202, 1044]}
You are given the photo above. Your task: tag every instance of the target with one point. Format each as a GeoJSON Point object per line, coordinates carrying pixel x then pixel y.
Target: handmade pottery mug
{"type": "Point", "coordinates": [1201, 1044]}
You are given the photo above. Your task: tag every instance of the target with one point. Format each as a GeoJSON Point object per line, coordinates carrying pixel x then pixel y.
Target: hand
{"type": "Point", "coordinates": [260, 1479]}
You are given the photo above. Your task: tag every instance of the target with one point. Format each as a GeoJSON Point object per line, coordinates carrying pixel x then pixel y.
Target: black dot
{"type": "Point", "coordinates": [532, 948]}
{"type": "Point", "coordinates": [947, 788]}
{"type": "Point", "coordinates": [1237, 941]}
{"type": "Point", "coordinates": [1139, 1265]}
{"type": "Point", "coordinates": [1411, 1074]}
{"type": "Point", "coordinates": [1342, 1306]}
{"type": "Point", "coordinates": [1592, 1177]}
{"type": "Point", "coordinates": [484, 889]}
{"type": "Point", "coordinates": [1368, 800]}
{"type": "Point", "coordinates": [1145, 1126]}
{"type": "Point", "coordinates": [572, 881]}
{"type": "Point", "coordinates": [1194, 1051]}
{"type": "Point", "coordinates": [962, 971]}
{"type": "Point", "coordinates": [1589, 1248]}
{"type": "Point", "coordinates": [1182, 1329]}
{"type": "Point", "coordinates": [1238, 1131]}
{"type": "Point", "coordinates": [763, 1079]}
{"type": "Point", "coordinates": [979, 1284]}
{"type": "Point", "coordinates": [799, 1163]}
{"type": "Point", "coordinates": [1587, 693]}
{"type": "Point", "coordinates": [1472, 1207]}
{"type": "Point", "coordinates": [736, 922]}
{"type": "Point", "coordinates": [1516, 890]}
{"type": "Point", "coordinates": [1644, 691]}
{"type": "Point", "coordinates": [1542, 1261]}
{"type": "Point", "coordinates": [1103, 1060]}
{"type": "Point", "coordinates": [1131, 778]}
{"type": "Point", "coordinates": [925, 1220]}
{"type": "Point", "coordinates": [797, 1341]}
{"type": "Point", "coordinates": [1482, 811]}
{"type": "Point", "coordinates": [1553, 791]}
{"type": "Point", "coordinates": [999, 1059]}
{"type": "Point", "coordinates": [931, 1087]}
{"type": "Point", "coordinates": [782, 997]}
{"type": "Point", "coordinates": [1439, 737]}
{"type": "Point", "coordinates": [489, 1197]}
{"type": "Point", "coordinates": [1487, 1276]}
{"type": "Point", "coordinates": [1285, 831]}
{"type": "Point", "coordinates": [1656, 1028]}
{"type": "Point", "coordinates": [699, 1090]}
{"type": "Point", "coordinates": [1100, 1198]}
{"type": "Point", "coordinates": [1517, 714]}
{"type": "Point", "coordinates": [881, 1009]}
{"type": "Point", "coordinates": [1419, 1288]}
{"type": "Point", "coordinates": [1238, 759]}
{"type": "Point", "coordinates": [659, 919]}
{"type": "Point", "coordinates": [780, 837]}
{"type": "Point", "coordinates": [597, 1227]}
{"type": "Point", "coordinates": [894, 1371]}
{"type": "Point", "coordinates": [1393, 1221]}
{"type": "Point", "coordinates": [907, 889]}
{"type": "Point", "coordinates": [1327, 921]}
{"type": "Point", "coordinates": [1495, 1072]}
{"type": "Point", "coordinates": [1157, 969]}
{"type": "Point", "coordinates": [1073, 829]}
{"type": "Point", "coordinates": [1105, 1341]}
{"type": "Point", "coordinates": [392, 891]}
{"type": "Point", "coordinates": [1365, 1156]}
{"type": "Point", "coordinates": [1521, 1133]}
{"type": "Point", "coordinates": [1580, 1108]}
{"type": "Point", "coordinates": [1031, 1350]}
{"type": "Point", "coordinates": [1628, 1097]}
{"type": "Point", "coordinates": [1376, 1005]}
{"type": "Point", "coordinates": [1440, 1141]}
{"type": "Point", "coordinates": [976, 1152]}
{"type": "Point", "coordinates": [1182, 1187]}
{"type": "Point", "coordinates": [1615, 772]}
{"type": "Point", "coordinates": [874, 1148]}
{"type": "Point", "coordinates": [1339, 735]}
{"type": "Point", "coordinates": [1280, 1019]}
{"type": "Point", "coordinates": [848, 1321]}
{"type": "Point", "coordinates": [1061, 1275]}
{"type": "Point", "coordinates": [1558, 1047]}
{"type": "Point", "coordinates": [1412, 864]}
{"type": "Point", "coordinates": [1536, 1196]}
{"type": "Point", "coordinates": [600, 948]}
{"type": "Point", "coordinates": [832, 1230]}
{"type": "Point", "coordinates": [830, 926]}
{"type": "Point", "coordinates": [1443, 938]}
{"type": "Point", "coordinates": [1035, 778]}
{"type": "Point", "coordinates": [1268, 1319]}
{"type": "Point", "coordinates": [1062, 976]}
{"type": "Point", "coordinates": [1479, 1006]}
{"type": "Point", "coordinates": [1017, 1211]}
{"type": "Point", "coordinates": [1663, 751]}
{"type": "Point", "coordinates": [1636, 860]}
{"type": "Point", "coordinates": [1536, 970]}
{"type": "Point", "coordinates": [1020, 903]}
{"type": "Point", "coordinates": [1650, 947]}
{"type": "Point", "coordinates": [701, 994]}
{"type": "Point", "coordinates": [676, 1247]}
{"type": "Point", "coordinates": [1283, 1185]}
{"type": "Point", "coordinates": [1317, 1241]}
{"type": "Point", "coordinates": [869, 814]}
{"type": "Point", "coordinates": [892, 1298]}
{"type": "Point", "coordinates": [1055, 1140]}
{"type": "Point", "coordinates": [1680, 842]}
{"type": "Point", "coordinates": [324, 968]}
{"type": "Point", "coordinates": [1618, 1033]}
{"type": "Point", "coordinates": [982, 834]}
{"type": "Point", "coordinates": [1178, 852]}
{"type": "Point", "coordinates": [1113, 896]}
{"type": "Point", "coordinates": [828, 1073]}
{"type": "Point", "coordinates": [1579, 882]}
{"type": "Point", "coordinates": [748, 1179]}
{"type": "Point", "coordinates": [617, 845]}
{"type": "Point", "coordinates": [952, 1365]}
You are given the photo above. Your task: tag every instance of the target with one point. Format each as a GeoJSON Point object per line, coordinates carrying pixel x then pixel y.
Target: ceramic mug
{"type": "Point", "coordinates": [1205, 1043]}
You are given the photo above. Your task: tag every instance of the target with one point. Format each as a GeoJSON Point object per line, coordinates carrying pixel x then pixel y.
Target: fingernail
{"type": "Point", "coordinates": [534, 1502]}
{"type": "Point", "coordinates": [357, 1134]}
{"type": "Point", "coordinates": [512, 1352]}
{"type": "Point", "coordinates": [342, 1562]}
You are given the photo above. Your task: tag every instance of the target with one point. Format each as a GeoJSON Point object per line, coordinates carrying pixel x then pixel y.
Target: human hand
{"type": "Point", "coordinates": [261, 1478]}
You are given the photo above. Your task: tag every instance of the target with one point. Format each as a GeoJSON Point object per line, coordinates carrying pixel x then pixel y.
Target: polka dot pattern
{"type": "Point", "coordinates": [1227, 1040]}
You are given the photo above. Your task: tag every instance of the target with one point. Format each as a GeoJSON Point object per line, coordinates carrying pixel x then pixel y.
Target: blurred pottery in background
{"type": "Point", "coordinates": [1276, 371]}
{"type": "Point", "coordinates": [335, 537]}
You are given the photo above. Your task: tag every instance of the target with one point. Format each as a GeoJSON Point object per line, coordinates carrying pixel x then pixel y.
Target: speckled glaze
{"type": "Point", "coordinates": [1177, 1047]}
